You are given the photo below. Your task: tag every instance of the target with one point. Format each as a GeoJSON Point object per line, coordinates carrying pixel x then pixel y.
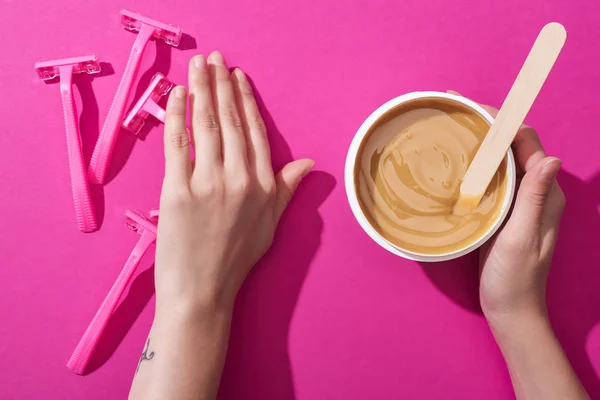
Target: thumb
{"type": "Point", "coordinates": [287, 180]}
{"type": "Point", "coordinates": [533, 193]}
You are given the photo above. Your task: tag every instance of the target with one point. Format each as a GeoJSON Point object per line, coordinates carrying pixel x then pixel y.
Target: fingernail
{"type": "Point", "coordinates": [551, 167]}
{"type": "Point", "coordinates": [199, 61]}
{"type": "Point", "coordinates": [239, 74]}
{"type": "Point", "coordinates": [180, 92]}
{"type": "Point", "coordinates": [217, 58]}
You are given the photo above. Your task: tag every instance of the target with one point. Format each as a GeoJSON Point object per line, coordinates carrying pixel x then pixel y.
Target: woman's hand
{"type": "Point", "coordinates": [514, 268]}
{"type": "Point", "coordinates": [218, 214]}
{"type": "Point", "coordinates": [514, 265]}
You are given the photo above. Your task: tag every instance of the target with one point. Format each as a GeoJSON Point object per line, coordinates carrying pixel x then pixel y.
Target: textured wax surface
{"type": "Point", "coordinates": [409, 173]}
{"type": "Point", "coordinates": [327, 314]}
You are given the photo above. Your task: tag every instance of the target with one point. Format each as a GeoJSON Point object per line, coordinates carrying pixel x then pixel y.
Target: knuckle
{"type": "Point", "coordinates": [207, 122]}
{"type": "Point", "coordinates": [175, 112]}
{"type": "Point", "coordinates": [202, 80]}
{"type": "Point", "coordinates": [209, 189]}
{"type": "Point", "coordinates": [177, 197]}
{"type": "Point", "coordinates": [242, 185]}
{"type": "Point", "coordinates": [529, 132]}
{"type": "Point", "coordinates": [176, 108]}
{"type": "Point", "coordinates": [246, 90]}
{"type": "Point", "coordinates": [561, 199]}
{"type": "Point", "coordinates": [231, 117]}
{"type": "Point", "coordinates": [537, 198]}
{"type": "Point", "coordinates": [180, 139]}
{"type": "Point", "coordinates": [270, 189]}
{"type": "Point", "coordinates": [524, 134]}
{"type": "Point", "coordinates": [221, 74]}
{"type": "Point", "coordinates": [258, 124]}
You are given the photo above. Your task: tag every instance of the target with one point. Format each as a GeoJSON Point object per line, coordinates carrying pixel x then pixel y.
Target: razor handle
{"type": "Point", "coordinates": [108, 136]}
{"type": "Point", "coordinates": [85, 348]}
{"type": "Point", "coordinates": [82, 199]}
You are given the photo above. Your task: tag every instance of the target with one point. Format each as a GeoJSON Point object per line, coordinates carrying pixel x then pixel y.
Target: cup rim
{"type": "Point", "coordinates": [353, 197]}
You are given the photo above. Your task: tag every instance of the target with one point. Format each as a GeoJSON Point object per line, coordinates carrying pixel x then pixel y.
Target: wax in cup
{"type": "Point", "coordinates": [408, 172]}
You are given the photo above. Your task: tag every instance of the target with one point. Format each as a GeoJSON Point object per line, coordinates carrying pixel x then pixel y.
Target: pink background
{"type": "Point", "coordinates": [327, 314]}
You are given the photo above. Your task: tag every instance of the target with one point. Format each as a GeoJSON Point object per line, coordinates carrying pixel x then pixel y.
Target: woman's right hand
{"type": "Point", "coordinates": [514, 265]}
{"type": "Point", "coordinates": [514, 269]}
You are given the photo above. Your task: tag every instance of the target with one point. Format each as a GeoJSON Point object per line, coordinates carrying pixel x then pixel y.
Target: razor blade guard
{"type": "Point", "coordinates": [146, 28]}
{"type": "Point", "coordinates": [132, 21]}
{"type": "Point", "coordinates": [148, 104]}
{"type": "Point", "coordinates": [139, 223]}
{"type": "Point", "coordinates": [48, 70]}
{"type": "Point", "coordinates": [154, 213]}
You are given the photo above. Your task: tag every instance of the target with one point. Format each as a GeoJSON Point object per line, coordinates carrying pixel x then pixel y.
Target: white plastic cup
{"type": "Point", "coordinates": [353, 197]}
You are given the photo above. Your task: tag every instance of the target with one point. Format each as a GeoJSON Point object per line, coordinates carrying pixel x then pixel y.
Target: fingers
{"type": "Point", "coordinates": [205, 126]}
{"type": "Point", "coordinates": [535, 204]}
{"type": "Point", "coordinates": [287, 180]}
{"type": "Point", "coordinates": [232, 133]}
{"type": "Point", "coordinates": [556, 204]}
{"type": "Point", "coordinates": [540, 200]}
{"type": "Point", "coordinates": [526, 146]}
{"type": "Point", "coordinates": [177, 142]}
{"type": "Point", "coordinates": [259, 153]}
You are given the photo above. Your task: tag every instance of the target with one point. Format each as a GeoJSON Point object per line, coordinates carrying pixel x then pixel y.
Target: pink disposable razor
{"type": "Point", "coordinates": [146, 29]}
{"type": "Point", "coordinates": [83, 352]}
{"type": "Point", "coordinates": [48, 70]}
{"type": "Point", "coordinates": [148, 104]}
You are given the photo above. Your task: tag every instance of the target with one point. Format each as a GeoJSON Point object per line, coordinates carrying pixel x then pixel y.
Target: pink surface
{"type": "Point", "coordinates": [327, 314]}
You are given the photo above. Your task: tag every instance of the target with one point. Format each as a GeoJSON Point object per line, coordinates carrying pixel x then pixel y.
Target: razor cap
{"type": "Point", "coordinates": [48, 70]}
{"type": "Point", "coordinates": [171, 34]}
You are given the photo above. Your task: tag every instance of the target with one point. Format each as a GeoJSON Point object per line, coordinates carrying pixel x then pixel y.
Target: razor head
{"type": "Point", "coordinates": [48, 70]}
{"type": "Point", "coordinates": [171, 34]}
{"type": "Point", "coordinates": [154, 213]}
{"type": "Point", "coordinates": [159, 87]}
{"type": "Point", "coordinates": [138, 223]}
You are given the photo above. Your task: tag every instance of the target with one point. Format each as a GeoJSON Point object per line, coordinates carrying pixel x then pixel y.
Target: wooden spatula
{"type": "Point", "coordinates": [517, 104]}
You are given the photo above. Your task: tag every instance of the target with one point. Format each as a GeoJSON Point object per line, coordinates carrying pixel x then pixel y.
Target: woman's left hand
{"type": "Point", "coordinates": [218, 214]}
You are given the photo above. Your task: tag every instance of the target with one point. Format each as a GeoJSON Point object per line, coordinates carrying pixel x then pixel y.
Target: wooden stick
{"type": "Point", "coordinates": [517, 104]}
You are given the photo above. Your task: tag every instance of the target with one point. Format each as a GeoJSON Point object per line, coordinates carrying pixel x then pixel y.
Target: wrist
{"type": "Point", "coordinates": [536, 362]}
{"type": "Point", "coordinates": [505, 315]}
{"type": "Point", "coordinates": [518, 326]}
{"type": "Point", "coordinates": [198, 301]}
{"type": "Point", "coordinates": [195, 291]}
{"type": "Point", "coordinates": [186, 310]}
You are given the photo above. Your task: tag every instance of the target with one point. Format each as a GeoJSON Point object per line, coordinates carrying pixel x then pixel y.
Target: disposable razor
{"type": "Point", "coordinates": [146, 28]}
{"type": "Point", "coordinates": [148, 104]}
{"type": "Point", "coordinates": [65, 69]}
{"type": "Point", "coordinates": [85, 348]}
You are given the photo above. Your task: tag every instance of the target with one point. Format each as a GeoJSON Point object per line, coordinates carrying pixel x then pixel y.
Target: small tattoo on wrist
{"type": "Point", "coordinates": [145, 356]}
